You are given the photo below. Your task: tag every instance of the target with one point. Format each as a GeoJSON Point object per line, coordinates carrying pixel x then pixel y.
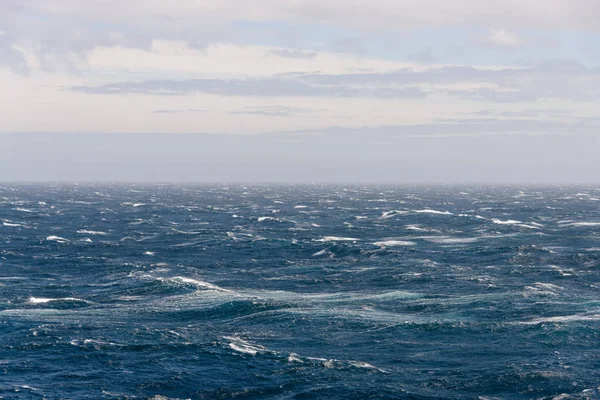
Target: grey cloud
{"type": "Point", "coordinates": [178, 110]}
{"type": "Point", "coordinates": [12, 58]}
{"type": "Point", "coordinates": [265, 87]}
{"type": "Point", "coordinates": [523, 113]}
{"type": "Point", "coordinates": [562, 80]}
{"type": "Point", "coordinates": [558, 80]}
{"type": "Point", "coordinates": [275, 111]}
{"type": "Point", "coordinates": [293, 53]}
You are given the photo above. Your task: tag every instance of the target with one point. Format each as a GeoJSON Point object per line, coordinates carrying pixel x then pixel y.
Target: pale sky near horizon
{"type": "Point", "coordinates": [329, 90]}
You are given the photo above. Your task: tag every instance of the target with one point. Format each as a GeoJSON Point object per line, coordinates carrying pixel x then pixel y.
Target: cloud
{"type": "Point", "coordinates": [503, 38]}
{"type": "Point", "coordinates": [54, 29]}
{"type": "Point", "coordinates": [180, 110]}
{"type": "Point", "coordinates": [290, 86]}
{"type": "Point", "coordinates": [553, 80]}
{"type": "Point", "coordinates": [275, 111]}
{"type": "Point", "coordinates": [369, 14]}
{"type": "Point", "coordinates": [292, 53]}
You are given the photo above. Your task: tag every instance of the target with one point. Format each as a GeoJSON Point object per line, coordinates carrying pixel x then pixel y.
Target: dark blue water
{"type": "Point", "coordinates": [299, 292]}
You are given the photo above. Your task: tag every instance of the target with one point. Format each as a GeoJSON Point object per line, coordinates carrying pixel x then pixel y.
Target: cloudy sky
{"type": "Point", "coordinates": [300, 90]}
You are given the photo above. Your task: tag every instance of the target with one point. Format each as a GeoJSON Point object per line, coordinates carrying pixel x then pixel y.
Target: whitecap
{"type": "Point", "coordinates": [198, 283]}
{"type": "Point", "coordinates": [392, 214]}
{"type": "Point", "coordinates": [90, 232]}
{"type": "Point", "coordinates": [583, 223]}
{"type": "Point", "coordinates": [43, 300]}
{"type": "Point", "coordinates": [450, 240]}
{"type": "Point", "coordinates": [429, 211]}
{"type": "Point", "coordinates": [562, 319]}
{"type": "Point", "coordinates": [337, 239]}
{"type": "Point", "coordinates": [11, 224]}
{"type": "Point", "coordinates": [324, 252]}
{"type": "Point", "coordinates": [514, 222]}
{"type": "Point", "coordinates": [57, 239]}
{"type": "Point", "coordinates": [390, 243]}
{"type": "Point", "coordinates": [243, 346]}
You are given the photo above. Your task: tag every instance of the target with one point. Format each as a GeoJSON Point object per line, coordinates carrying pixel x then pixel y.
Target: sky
{"type": "Point", "coordinates": [382, 91]}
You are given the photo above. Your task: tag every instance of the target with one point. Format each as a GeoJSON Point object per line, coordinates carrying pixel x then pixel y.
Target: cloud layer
{"type": "Point", "coordinates": [389, 82]}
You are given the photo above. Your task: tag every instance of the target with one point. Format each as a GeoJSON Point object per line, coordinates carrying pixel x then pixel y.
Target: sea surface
{"type": "Point", "coordinates": [299, 292]}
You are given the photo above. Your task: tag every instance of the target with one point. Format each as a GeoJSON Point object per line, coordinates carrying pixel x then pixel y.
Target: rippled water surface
{"type": "Point", "coordinates": [299, 292]}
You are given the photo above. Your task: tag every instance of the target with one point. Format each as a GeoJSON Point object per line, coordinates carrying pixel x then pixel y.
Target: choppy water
{"type": "Point", "coordinates": [299, 292]}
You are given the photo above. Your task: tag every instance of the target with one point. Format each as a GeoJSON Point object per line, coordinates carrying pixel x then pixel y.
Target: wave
{"type": "Point", "coordinates": [246, 347]}
{"type": "Point", "coordinates": [392, 214]}
{"type": "Point", "coordinates": [430, 211]}
{"type": "Point", "coordinates": [562, 319]}
{"type": "Point", "coordinates": [390, 243]}
{"type": "Point", "coordinates": [337, 239]}
{"type": "Point", "coordinates": [516, 223]}
{"type": "Point", "coordinates": [11, 224]}
{"type": "Point", "coordinates": [44, 300]}
{"type": "Point", "coordinates": [90, 232]}
{"type": "Point", "coordinates": [583, 223]}
{"type": "Point", "coordinates": [197, 283]}
{"type": "Point", "coordinates": [273, 219]}
{"type": "Point", "coordinates": [451, 240]}
{"type": "Point", "coordinates": [57, 239]}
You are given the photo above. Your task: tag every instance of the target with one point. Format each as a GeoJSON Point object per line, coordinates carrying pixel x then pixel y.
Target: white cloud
{"type": "Point", "coordinates": [504, 38]}
{"type": "Point", "coordinates": [581, 14]}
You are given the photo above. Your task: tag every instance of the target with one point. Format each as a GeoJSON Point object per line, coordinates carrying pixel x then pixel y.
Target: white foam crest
{"type": "Point", "coordinates": [507, 222]}
{"type": "Point", "coordinates": [263, 219]}
{"type": "Point", "coordinates": [28, 388]}
{"type": "Point", "coordinates": [57, 239]}
{"type": "Point", "coordinates": [362, 364]}
{"type": "Point", "coordinates": [11, 224]}
{"type": "Point", "coordinates": [392, 214]}
{"type": "Point", "coordinates": [430, 211]}
{"type": "Point", "coordinates": [90, 232]}
{"type": "Point", "coordinates": [515, 222]}
{"type": "Point", "coordinates": [582, 223]}
{"type": "Point", "coordinates": [450, 240]}
{"type": "Point", "coordinates": [324, 252]}
{"type": "Point", "coordinates": [43, 300]}
{"type": "Point", "coordinates": [243, 346]}
{"type": "Point", "coordinates": [549, 286]}
{"type": "Point", "coordinates": [336, 297]}
{"type": "Point", "coordinates": [391, 243]}
{"type": "Point", "coordinates": [337, 239]}
{"type": "Point", "coordinates": [562, 319]}
{"type": "Point", "coordinates": [200, 284]}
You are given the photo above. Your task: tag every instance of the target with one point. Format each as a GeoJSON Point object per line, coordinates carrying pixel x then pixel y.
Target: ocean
{"type": "Point", "coordinates": [136, 291]}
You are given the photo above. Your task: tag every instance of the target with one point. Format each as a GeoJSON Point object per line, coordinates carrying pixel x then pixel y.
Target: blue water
{"type": "Point", "coordinates": [299, 292]}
